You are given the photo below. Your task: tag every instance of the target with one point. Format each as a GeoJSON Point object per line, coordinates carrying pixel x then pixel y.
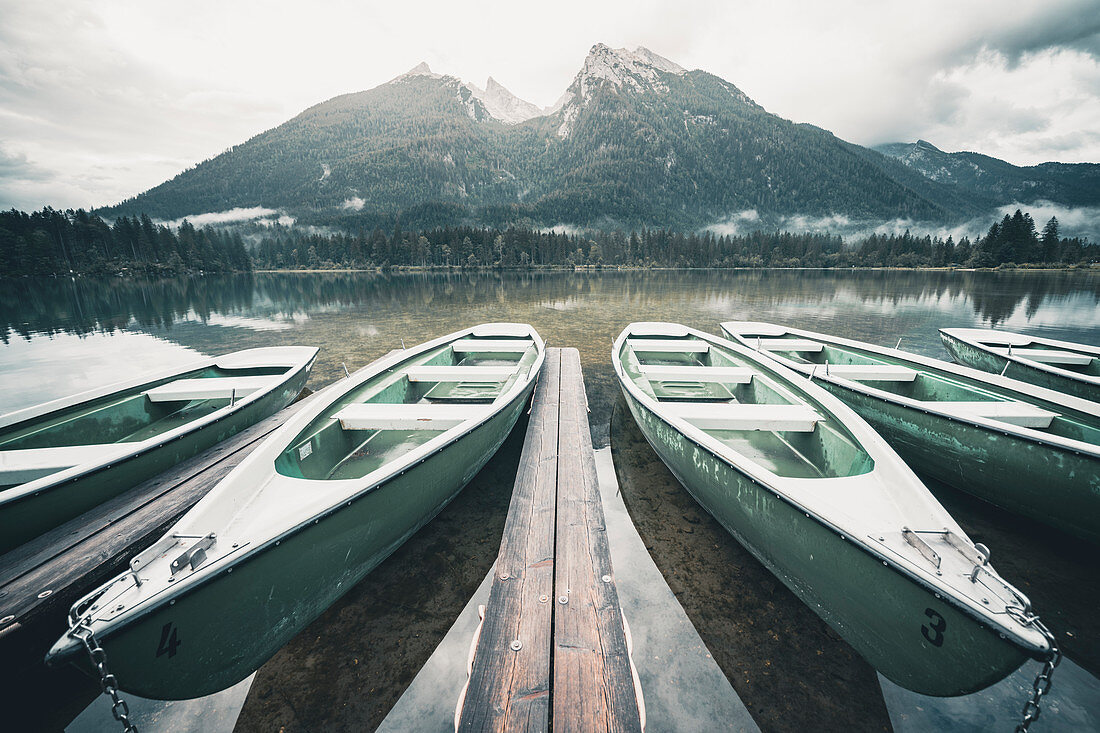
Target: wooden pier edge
{"type": "Point", "coordinates": [552, 648]}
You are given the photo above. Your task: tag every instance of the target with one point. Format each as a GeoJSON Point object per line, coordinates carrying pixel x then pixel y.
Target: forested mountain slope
{"type": "Point", "coordinates": [635, 141]}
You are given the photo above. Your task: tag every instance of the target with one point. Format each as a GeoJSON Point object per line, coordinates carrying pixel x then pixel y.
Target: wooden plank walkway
{"type": "Point", "coordinates": [552, 647]}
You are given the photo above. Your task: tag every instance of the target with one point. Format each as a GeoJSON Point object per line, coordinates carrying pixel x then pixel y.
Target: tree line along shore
{"type": "Point", "coordinates": [54, 242]}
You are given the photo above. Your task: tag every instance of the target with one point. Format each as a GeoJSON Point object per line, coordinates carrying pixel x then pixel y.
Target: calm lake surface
{"type": "Point", "coordinates": [64, 336]}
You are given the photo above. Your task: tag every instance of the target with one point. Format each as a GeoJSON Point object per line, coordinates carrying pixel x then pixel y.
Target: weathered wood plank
{"type": "Point", "coordinates": [593, 687]}
{"type": "Point", "coordinates": [509, 689]}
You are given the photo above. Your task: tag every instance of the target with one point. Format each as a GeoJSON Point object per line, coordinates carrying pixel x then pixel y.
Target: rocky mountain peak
{"type": "Point", "coordinates": [639, 70]}
{"type": "Point", "coordinates": [502, 105]}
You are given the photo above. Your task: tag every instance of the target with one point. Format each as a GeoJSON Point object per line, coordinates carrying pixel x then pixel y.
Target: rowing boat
{"type": "Point", "coordinates": [61, 458]}
{"type": "Point", "coordinates": [1030, 450]}
{"type": "Point", "coordinates": [1063, 366]}
{"type": "Point", "coordinates": [824, 503]}
{"type": "Point", "coordinates": [305, 516]}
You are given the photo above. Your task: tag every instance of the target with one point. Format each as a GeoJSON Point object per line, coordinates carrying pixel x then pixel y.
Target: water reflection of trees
{"type": "Point", "coordinates": [85, 305]}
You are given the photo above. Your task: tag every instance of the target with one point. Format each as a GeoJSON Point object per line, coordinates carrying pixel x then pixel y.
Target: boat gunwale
{"type": "Point", "coordinates": [1051, 440]}
{"type": "Point", "coordinates": [246, 552]}
{"type": "Point", "coordinates": [43, 409]}
{"type": "Point", "coordinates": [915, 574]}
{"type": "Point", "coordinates": [56, 479]}
{"type": "Point", "coordinates": [962, 335]}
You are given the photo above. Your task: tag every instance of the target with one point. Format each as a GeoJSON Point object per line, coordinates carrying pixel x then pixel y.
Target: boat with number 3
{"type": "Point", "coordinates": [827, 506]}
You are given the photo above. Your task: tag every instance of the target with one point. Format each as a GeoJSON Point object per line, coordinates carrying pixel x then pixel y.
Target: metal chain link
{"type": "Point", "coordinates": [107, 681]}
{"type": "Point", "coordinates": [1041, 685]}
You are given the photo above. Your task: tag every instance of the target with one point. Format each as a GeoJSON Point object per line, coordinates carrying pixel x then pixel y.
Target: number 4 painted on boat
{"type": "Point", "coordinates": [933, 632]}
{"type": "Point", "coordinates": [169, 641]}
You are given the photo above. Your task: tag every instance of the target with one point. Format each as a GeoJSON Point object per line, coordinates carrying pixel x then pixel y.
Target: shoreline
{"type": "Point", "coordinates": [586, 269]}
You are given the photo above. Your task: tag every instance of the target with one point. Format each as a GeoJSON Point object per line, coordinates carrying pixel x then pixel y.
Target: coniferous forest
{"type": "Point", "coordinates": [51, 242]}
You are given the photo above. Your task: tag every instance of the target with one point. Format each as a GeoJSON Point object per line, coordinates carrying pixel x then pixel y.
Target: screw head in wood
{"type": "Point", "coordinates": [544, 598]}
{"type": "Point", "coordinates": [6, 620]}
{"type": "Point", "coordinates": [516, 645]}
{"type": "Point", "coordinates": [45, 593]}
{"type": "Point", "coordinates": [606, 578]}
{"type": "Point", "coordinates": [563, 599]}
{"type": "Point", "coordinates": [504, 576]}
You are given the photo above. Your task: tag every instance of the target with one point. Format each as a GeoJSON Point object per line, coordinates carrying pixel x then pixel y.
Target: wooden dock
{"type": "Point", "coordinates": [552, 649]}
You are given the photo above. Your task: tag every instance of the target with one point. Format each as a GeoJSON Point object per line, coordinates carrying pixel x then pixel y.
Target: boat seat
{"type": "Point", "coordinates": [725, 375]}
{"type": "Point", "coordinates": [741, 416]}
{"type": "Point", "coordinates": [473, 346]}
{"type": "Point", "coordinates": [460, 373]}
{"type": "Point", "coordinates": [1015, 413]}
{"type": "Point", "coordinates": [1048, 356]}
{"type": "Point", "coordinates": [873, 372]}
{"type": "Point", "coordinates": [669, 346]}
{"type": "Point", "coordinates": [28, 464]}
{"type": "Point", "coordinates": [805, 345]}
{"type": "Point", "coordinates": [400, 416]}
{"type": "Point", "coordinates": [214, 388]}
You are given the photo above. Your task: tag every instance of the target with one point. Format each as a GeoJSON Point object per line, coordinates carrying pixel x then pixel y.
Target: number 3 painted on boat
{"type": "Point", "coordinates": [933, 631]}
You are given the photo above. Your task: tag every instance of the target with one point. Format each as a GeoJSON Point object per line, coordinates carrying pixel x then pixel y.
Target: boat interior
{"type": "Point", "coordinates": [404, 407]}
{"type": "Point", "coordinates": [1051, 355]}
{"type": "Point", "coordinates": [750, 410]}
{"type": "Point", "coordinates": [943, 390]}
{"type": "Point", "coordinates": [101, 427]}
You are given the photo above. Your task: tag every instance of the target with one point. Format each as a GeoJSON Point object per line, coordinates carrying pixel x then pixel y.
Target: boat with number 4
{"type": "Point", "coordinates": [305, 516]}
{"type": "Point", "coordinates": [1027, 449]}
{"type": "Point", "coordinates": [61, 458]}
{"type": "Point", "coordinates": [825, 504]}
{"type": "Point", "coordinates": [1063, 366]}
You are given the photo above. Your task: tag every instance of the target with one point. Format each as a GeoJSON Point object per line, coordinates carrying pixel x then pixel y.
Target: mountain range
{"type": "Point", "coordinates": [635, 140]}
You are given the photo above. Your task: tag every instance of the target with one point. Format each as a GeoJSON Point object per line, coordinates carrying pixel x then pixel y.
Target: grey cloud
{"type": "Point", "coordinates": [1072, 25]}
{"type": "Point", "coordinates": [15, 167]}
{"type": "Point", "coordinates": [945, 101]}
{"type": "Point", "coordinates": [1072, 140]}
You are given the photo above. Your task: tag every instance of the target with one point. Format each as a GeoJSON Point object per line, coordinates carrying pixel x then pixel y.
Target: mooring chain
{"type": "Point", "coordinates": [83, 631]}
{"type": "Point", "coordinates": [1041, 685]}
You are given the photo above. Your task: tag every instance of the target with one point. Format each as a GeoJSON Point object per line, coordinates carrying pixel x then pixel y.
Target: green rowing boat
{"type": "Point", "coordinates": [1030, 450]}
{"type": "Point", "coordinates": [61, 458]}
{"type": "Point", "coordinates": [825, 504]}
{"type": "Point", "coordinates": [1063, 366]}
{"type": "Point", "coordinates": [319, 504]}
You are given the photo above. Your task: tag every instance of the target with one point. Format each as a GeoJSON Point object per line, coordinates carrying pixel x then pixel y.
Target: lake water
{"type": "Point", "coordinates": [64, 336]}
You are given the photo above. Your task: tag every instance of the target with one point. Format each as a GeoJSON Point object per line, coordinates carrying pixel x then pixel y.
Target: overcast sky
{"type": "Point", "coordinates": [101, 100]}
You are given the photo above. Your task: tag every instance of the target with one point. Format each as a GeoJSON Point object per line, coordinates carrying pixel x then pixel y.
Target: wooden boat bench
{"type": "Point", "coordinates": [28, 464]}
{"type": "Point", "coordinates": [1015, 413]}
{"type": "Point", "coordinates": [460, 373]}
{"type": "Point", "coordinates": [1047, 356]}
{"type": "Point", "coordinates": [390, 416]}
{"type": "Point", "coordinates": [724, 375]}
{"type": "Point", "coordinates": [802, 345]}
{"type": "Point", "coordinates": [742, 416]}
{"type": "Point", "coordinates": [501, 346]}
{"type": "Point", "coordinates": [873, 372]}
{"type": "Point", "coordinates": [668, 346]}
{"type": "Point", "coordinates": [214, 388]}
